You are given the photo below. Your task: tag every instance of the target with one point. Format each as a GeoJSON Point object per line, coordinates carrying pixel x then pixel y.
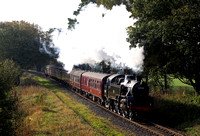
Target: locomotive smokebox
{"type": "Point", "coordinates": [140, 89]}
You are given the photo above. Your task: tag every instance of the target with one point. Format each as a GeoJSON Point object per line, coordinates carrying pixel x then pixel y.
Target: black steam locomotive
{"type": "Point", "coordinates": [123, 94]}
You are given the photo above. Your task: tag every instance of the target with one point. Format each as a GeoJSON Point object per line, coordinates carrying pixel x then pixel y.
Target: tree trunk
{"type": "Point", "coordinates": [165, 80]}
{"type": "Point", "coordinates": [39, 68]}
{"type": "Point", "coordinates": [197, 83]}
{"type": "Point", "coordinates": [147, 79]}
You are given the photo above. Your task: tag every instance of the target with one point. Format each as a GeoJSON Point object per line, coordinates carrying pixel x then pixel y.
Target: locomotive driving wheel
{"type": "Point", "coordinates": [126, 113]}
{"type": "Point", "coordinates": [133, 114]}
{"type": "Point", "coordinates": [130, 115]}
{"type": "Point", "coordinates": [107, 104]}
{"type": "Point", "coordinates": [116, 107]}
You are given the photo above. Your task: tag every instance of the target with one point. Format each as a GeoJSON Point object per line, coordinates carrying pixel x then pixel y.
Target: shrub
{"type": "Point", "coordinates": [9, 72]}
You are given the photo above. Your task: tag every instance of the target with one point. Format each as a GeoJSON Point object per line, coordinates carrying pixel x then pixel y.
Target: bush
{"type": "Point", "coordinates": [9, 72]}
{"type": "Point", "coordinates": [176, 109]}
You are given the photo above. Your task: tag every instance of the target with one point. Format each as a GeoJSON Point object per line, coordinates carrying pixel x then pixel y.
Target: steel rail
{"type": "Point", "coordinates": [155, 129]}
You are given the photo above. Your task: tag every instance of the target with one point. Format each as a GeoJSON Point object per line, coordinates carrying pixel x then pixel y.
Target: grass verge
{"type": "Point", "coordinates": [45, 109]}
{"type": "Point", "coordinates": [178, 110]}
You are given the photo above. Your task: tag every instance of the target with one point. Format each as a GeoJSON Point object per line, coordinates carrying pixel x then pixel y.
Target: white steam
{"type": "Point", "coordinates": [98, 38]}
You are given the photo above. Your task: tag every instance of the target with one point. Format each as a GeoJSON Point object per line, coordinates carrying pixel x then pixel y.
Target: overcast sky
{"type": "Point", "coordinates": [95, 37]}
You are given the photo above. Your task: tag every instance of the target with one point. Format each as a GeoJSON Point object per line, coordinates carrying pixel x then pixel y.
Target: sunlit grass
{"type": "Point", "coordinates": [44, 113]}
{"type": "Point", "coordinates": [88, 117]}
{"type": "Point", "coordinates": [45, 109]}
{"type": "Point", "coordinates": [178, 85]}
{"type": "Point", "coordinates": [180, 110]}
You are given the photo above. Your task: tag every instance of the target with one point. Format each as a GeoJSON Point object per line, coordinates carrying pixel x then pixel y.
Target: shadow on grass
{"type": "Point", "coordinates": [173, 114]}
{"type": "Point", "coordinates": [30, 81]}
{"type": "Point", "coordinates": [46, 109]}
{"type": "Point", "coordinates": [47, 84]}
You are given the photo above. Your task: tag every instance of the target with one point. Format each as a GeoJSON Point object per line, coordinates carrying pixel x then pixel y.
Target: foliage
{"type": "Point", "coordinates": [84, 66]}
{"type": "Point", "coordinates": [72, 23]}
{"type": "Point", "coordinates": [8, 74]}
{"type": "Point", "coordinates": [102, 66]}
{"type": "Point", "coordinates": [159, 81]}
{"type": "Point", "coordinates": [26, 44]}
{"type": "Point", "coordinates": [169, 32]}
{"type": "Point", "coordinates": [108, 4]}
{"type": "Point", "coordinates": [105, 66]}
{"type": "Point", "coordinates": [179, 110]}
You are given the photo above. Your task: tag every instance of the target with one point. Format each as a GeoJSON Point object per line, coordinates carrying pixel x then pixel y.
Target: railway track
{"type": "Point", "coordinates": [150, 127]}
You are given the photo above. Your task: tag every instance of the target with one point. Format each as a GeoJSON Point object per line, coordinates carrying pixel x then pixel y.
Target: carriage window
{"type": "Point", "coordinates": [76, 79]}
{"type": "Point", "coordinates": [90, 82]}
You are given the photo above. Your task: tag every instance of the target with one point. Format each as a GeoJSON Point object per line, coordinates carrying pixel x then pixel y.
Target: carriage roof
{"type": "Point", "coordinates": [95, 75]}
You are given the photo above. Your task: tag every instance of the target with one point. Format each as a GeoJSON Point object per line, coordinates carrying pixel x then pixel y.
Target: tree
{"type": "Point", "coordinates": [108, 4]}
{"type": "Point", "coordinates": [84, 66]}
{"type": "Point", "coordinates": [26, 44]}
{"type": "Point", "coordinates": [105, 66]}
{"type": "Point", "coordinates": [9, 72]}
{"type": "Point", "coordinates": [169, 32]}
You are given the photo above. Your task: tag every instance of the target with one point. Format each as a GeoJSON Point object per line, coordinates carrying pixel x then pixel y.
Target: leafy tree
{"type": "Point", "coordinates": [105, 66]}
{"type": "Point", "coordinates": [169, 32]}
{"type": "Point", "coordinates": [8, 74]}
{"type": "Point", "coordinates": [129, 71]}
{"type": "Point", "coordinates": [102, 66]}
{"type": "Point", "coordinates": [26, 44]}
{"type": "Point", "coordinates": [84, 66]}
{"type": "Point", "coordinates": [107, 3]}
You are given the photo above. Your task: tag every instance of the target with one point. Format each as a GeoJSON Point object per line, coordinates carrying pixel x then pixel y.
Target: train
{"type": "Point", "coordinates": [126, 95]}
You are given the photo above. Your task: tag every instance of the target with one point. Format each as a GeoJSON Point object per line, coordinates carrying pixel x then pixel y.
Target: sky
{"type": "Point", "coordinates": [95, 37]}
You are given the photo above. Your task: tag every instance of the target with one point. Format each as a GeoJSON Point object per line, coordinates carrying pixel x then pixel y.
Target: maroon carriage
{"type": "Point", "coordinates": [75, 78]}
{"type": "Point", "coordinates": [93, 84]}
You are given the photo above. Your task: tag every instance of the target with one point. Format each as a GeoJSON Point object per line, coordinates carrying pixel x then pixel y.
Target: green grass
{"type": "Point", "coordinates": [191, 127]}
{"type": "Point", "coordinates": [48, 110]}
{"type": "Point", "coordinates": [177, 84]}
{"type": "Point", "coordinates": [178, 107]}
{"type": "Point", "coordinates": [46, 114]}
{"type": "Point", "coordinates": [98, 123]}
{"type": "Point", "coordinates": [180, 110]}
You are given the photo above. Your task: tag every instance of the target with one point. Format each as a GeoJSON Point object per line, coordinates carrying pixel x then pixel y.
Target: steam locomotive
{"type": "Point", "coordinates": [124, 94]}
